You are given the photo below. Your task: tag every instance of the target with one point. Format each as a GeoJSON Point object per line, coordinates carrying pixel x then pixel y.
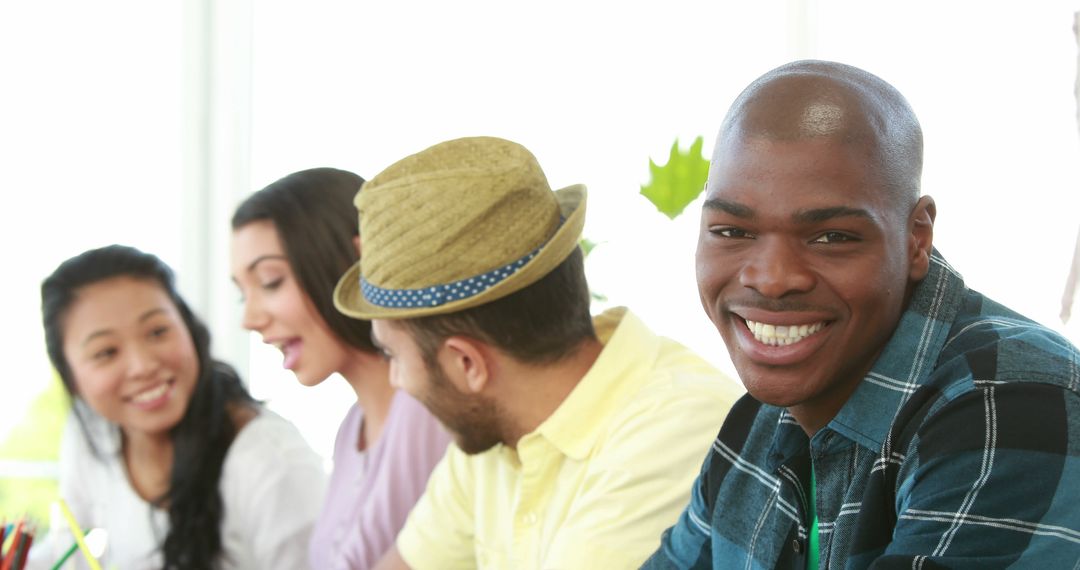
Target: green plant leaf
{"type": "Point", "coordinates": [679, 182]}
{"type": "Point", "coordinates": [587, 246]}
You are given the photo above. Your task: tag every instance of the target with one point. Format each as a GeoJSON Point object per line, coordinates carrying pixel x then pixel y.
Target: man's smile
{"type": "Point", "coordinates": [782, 335]}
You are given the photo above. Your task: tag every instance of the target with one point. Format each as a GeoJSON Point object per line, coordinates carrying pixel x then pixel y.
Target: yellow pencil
{"type": "Point", "coordinates": [79, 538]}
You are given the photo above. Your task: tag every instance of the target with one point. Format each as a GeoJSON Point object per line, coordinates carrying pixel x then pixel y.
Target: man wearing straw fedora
{"type": "Point", "coordinates": [576, 441]}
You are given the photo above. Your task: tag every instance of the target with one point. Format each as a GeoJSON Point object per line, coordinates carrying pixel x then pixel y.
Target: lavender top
{"type": "Point", "coordinates": [371, 492]}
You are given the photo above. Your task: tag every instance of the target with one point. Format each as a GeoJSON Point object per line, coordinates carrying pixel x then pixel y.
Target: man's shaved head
{"type": "Point", "coordinates": [820, 99]}
{"type": "Point", "coordinates": [812, 221]}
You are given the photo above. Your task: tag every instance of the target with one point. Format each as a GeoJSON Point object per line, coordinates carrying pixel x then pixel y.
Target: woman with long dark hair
{"type": "Point", "coordinates": [175, 459]}
{"type": "Point", "coordinates": [291, 242]}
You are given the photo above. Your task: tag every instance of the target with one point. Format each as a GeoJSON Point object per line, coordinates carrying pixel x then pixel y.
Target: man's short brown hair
{"type": "Point", "coordinates": [543, 323]}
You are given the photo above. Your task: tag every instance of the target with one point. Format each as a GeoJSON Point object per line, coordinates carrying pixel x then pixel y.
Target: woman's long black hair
{"type": "Point", "coordinates": [316, 221]}
{"type": "Point", "coordinates": [203, 435]}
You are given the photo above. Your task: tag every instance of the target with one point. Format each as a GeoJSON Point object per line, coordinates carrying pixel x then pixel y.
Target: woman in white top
{"type": "Point", "coordinates": [175, 459]}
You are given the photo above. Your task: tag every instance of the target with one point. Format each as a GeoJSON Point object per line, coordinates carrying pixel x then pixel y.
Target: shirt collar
{"type": "Point", "coordinates": [630, 348]}
{"type": "Point", "coordinates": [907, 359]}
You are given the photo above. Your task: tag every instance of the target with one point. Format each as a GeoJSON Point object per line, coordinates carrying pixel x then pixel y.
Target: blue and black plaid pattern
{"type": "Point", "coordinates": [960, 449]}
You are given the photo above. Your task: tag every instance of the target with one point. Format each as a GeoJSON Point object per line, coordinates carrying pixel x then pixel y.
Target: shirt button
{"type": "Point", "coordinates": [530, 518]}
{"type": "Point", "coordinates": [796, 545]}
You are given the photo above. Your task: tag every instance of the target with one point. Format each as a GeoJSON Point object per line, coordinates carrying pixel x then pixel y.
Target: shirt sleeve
{"type": "Point", "coordinates": [992, 482]}
{"type": "Point", "coordinates": [632, 493]}
{"type": "Point", "coordinates": [275, 483]}
{"type": "Point", "coordinates": [686, 544]}
{"type": "Point", "coordinates": [439, 532]}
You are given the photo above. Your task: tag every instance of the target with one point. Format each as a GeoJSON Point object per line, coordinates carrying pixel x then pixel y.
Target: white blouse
{"type": "Point", "coordinates": [272, 486]}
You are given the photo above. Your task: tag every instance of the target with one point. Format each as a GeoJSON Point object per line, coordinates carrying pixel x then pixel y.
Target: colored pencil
{"type": "Point", "coordinates": [15, 538]}
{"type": "Point", "coordinates": [70, 551]}
{"type": "Point", "coordinates": [79, 538]}
{"type": "Point", "coordinates": [23, 550]}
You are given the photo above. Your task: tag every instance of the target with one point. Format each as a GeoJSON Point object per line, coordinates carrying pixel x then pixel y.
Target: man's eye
{"type": "Point", "coordinates": [729, 232]}
{"type": "Point", "coordinates": [834, 237]}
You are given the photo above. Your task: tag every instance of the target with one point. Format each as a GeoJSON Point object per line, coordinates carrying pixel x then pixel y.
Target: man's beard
{"type": "Point", "coordinates": [472, 420]}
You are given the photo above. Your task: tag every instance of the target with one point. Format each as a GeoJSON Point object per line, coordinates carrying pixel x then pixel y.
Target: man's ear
{"type": "Point", "coordinates": [466, 363]}
{"type": "Point", "coordinates": [921, 237]}
{"type": "Point", "coordinates": [356, 244]}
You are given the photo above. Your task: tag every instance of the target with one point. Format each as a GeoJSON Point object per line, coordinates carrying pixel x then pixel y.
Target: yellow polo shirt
{"type": "Point", "coordinates": [593, 486]}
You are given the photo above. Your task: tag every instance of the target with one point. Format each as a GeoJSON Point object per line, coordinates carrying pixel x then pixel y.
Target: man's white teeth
{"type": "Point", "coordinates": [780, 335]}
{"type": "Point", "coordinates": [150, 395]}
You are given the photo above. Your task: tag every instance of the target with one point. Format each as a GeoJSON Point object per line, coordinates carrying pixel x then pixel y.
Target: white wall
{"type": "Point", "coordinates": [90, 153]}
{"type": "Point", "coordinates": [93, 152]}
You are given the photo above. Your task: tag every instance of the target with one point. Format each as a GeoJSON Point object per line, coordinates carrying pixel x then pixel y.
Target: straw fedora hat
{"type": "Point", "coordinates": [454, 226]}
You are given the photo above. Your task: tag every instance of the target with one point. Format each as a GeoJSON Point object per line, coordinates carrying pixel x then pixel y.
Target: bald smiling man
{"type": "Point", "coordinates": [894, 418]}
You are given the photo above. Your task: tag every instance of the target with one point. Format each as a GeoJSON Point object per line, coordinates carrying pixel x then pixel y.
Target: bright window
{"type": "Point", "coordinates": [145, 123]}
{"type": "Point", "coordinates": [90, 135]}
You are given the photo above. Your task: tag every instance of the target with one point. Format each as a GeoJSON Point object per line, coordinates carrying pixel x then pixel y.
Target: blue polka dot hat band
{"type": "Point", "coordinates": [441, 294]}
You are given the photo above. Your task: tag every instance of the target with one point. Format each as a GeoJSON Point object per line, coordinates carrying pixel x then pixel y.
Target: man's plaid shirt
{"type": "Point", "coordinates": [960, 449]}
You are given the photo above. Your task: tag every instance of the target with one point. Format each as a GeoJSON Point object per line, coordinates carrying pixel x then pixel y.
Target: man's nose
{"type": "Point", "coordinates": [777, 269]}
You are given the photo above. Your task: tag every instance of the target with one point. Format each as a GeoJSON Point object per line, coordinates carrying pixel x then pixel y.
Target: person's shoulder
{"type": "Point", "coordinates": [989, 342]}
{"type": "Point", "coordinates": [269, 455]}
{"type": "Point", "coordinates": [348, 432]}
{"type": "Point", "coordinates": [675, 394]}
{"type": "Point", "coordinates": [998, 369]}
{"type": "Point", "coordinates": [673, 406]}
{"type": "Point", "coordinates": [750, 427]}
{"type": "Point", "coordinates": [681, 377]}
{"type": "Point", "coordinates": [667, 364]}
{"type": "Point", "coordinates": [268, 437]}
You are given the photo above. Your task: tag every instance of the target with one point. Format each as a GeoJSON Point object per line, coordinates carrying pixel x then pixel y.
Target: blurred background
{"type": "Point", "coordinates": [145, 123]}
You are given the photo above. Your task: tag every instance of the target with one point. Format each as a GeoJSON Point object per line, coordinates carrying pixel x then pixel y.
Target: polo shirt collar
{"type": "Point", "coordinates": [630, 349]}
